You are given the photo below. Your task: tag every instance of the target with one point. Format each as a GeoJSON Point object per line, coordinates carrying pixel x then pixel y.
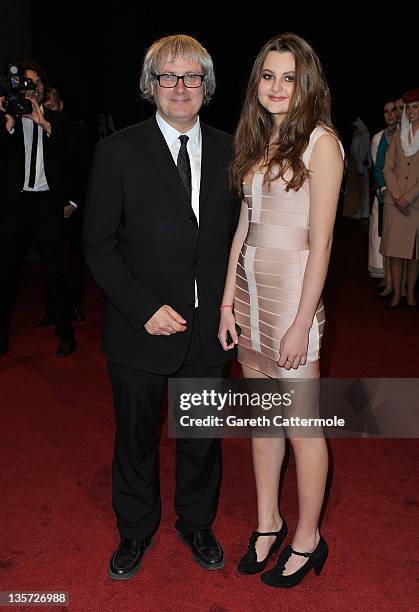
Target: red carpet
{"type": "Point", "coordinates": [57, 526]}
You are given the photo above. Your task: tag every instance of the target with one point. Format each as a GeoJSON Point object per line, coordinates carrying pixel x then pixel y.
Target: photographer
{"type": "Point", "coordinates": [38, 154]}
{"type": "Point", "coordinates": [72, 225]}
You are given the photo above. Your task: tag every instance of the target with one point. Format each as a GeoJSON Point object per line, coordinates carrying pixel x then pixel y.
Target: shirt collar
{"type": "Point", "coordinates": [171, 135]}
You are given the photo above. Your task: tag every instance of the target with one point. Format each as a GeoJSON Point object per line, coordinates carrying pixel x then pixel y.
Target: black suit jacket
{"type": "Point", "coordinates": [59, 158]}
{"type": "Point", "coordinates": [144, 246]}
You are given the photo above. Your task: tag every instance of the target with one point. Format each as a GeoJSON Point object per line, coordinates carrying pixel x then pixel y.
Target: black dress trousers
{"type": "Point", "coordinates": [135, 479]}
{"type": "Point", "coordinates": [34, 216]}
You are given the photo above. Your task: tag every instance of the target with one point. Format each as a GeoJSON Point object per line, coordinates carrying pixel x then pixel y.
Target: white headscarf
{"type": "Point", "coordinates": [410, 143]}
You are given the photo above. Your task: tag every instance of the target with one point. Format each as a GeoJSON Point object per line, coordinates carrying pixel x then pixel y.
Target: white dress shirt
{"type": "Point", "coordinates": [194, 147]}
{"type": "Point", "coordinates": [40, 178]}
{"type": "Point", "coordinates": [41, 183]}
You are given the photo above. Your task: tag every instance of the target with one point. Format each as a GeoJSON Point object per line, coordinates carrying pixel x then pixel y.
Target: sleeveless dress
{"type": "Point", "coordinates": [270, 273]}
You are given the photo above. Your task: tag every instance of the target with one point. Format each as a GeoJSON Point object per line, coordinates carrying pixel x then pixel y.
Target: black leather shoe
{"type": "Point", "coordinates": [126, 560]}
{"type": "Point", "coordinates": [315, 560]}
{"type": "Point", "coordinates": [249, 564]}
{"type": "Point", "coordinates": [4, 345]}
{"type": "Point", "coordinates": [206, 550]}
{"type": "Point", "coordinates": [78, 314]}
{"type": "Point", "coordinates": [381, 297]}
{"type": "Point", "coordinates": [44, 321]}
{"type": "Point", "coordinates": [66, 347]}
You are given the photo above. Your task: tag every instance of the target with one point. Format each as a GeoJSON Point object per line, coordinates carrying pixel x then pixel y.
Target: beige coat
{"type": "Point", "coordinates": [400, 233]}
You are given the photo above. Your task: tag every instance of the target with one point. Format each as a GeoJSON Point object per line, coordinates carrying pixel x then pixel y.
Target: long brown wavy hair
{"type": "Point", "coordinates": [308, 107]}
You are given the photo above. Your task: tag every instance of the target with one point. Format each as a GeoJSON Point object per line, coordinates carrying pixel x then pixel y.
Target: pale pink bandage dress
{"type": "Point", "coordinates": [270, 273]}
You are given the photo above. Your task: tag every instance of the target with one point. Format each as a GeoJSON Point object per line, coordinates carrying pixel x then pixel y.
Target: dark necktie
{"type": "Point", "coordinates": [184, 165]}
{"type": "Point", "coordinates": [32, 172]}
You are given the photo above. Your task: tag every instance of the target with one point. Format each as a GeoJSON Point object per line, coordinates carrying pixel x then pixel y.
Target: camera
{"type": "Point", "coordinates": [14, 87]}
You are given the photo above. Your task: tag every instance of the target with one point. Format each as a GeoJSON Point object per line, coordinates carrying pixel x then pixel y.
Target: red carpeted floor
{"type": "Point", "coordinates": [57, 527]}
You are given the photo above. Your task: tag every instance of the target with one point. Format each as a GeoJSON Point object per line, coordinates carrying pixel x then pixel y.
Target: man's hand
{"type": "Point", "coordinates": [10, 120]}
{"type": "Point", "coordinates": [165, 322]}
{"type": "Point", "coordinates": [68, 210]}
{"type": "Point", "coordinates": [37, 116]}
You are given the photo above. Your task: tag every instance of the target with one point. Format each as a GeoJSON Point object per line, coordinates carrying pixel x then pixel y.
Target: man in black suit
{"type": "Point", "coordinates": [73, 223]}
{"type": "Point", "coordinates": [158, 228]}
{"type": "Point", "coordinates": [38, 156]}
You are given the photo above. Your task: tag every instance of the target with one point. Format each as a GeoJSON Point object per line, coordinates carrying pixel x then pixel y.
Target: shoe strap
{"type": "Point", "coordinates": [301, 554]}
{"type": "Point", "coordinates": [267, 533]}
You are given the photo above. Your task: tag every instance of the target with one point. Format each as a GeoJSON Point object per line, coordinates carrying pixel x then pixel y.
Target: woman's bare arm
{"type": "Point", "coordinates": [227, 321]}
{"type": "Point", "coordinates": [326, 170]}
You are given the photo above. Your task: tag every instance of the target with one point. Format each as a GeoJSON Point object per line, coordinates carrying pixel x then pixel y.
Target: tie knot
{"type": "Point", "coordinates": [183, 139]}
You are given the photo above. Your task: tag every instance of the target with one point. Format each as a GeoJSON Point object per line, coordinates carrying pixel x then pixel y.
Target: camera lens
{"type": "Point", "coordinates": [22, 107]}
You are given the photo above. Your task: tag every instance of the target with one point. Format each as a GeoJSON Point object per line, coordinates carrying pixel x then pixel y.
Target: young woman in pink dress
{"type": "Point", "coordinates": [288, 168]}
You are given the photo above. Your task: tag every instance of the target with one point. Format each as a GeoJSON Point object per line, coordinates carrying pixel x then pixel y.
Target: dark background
{"type": "Point", "coordinates": [93, 52]}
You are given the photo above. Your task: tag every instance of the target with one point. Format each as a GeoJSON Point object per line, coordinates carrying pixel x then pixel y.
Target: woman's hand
{"type": "Point", "coordinates": [402, 202]}
{"type": "Point", "coordinates": [402, 205]}
{"type": "Point", "coordinates": [293, 347]}
{"type": "Point", "coordinates": [227, 323]}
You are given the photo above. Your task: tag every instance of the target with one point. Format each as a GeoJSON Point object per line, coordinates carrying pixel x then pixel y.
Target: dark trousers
{"type": "Point", "coordinates": [34, 216]}
{"type": "Point", "coordinates": [73, 230]}
{"type": "Point", "coordinates": [135, 479]}
{"type": "Point", "coordinates": [76, 266]}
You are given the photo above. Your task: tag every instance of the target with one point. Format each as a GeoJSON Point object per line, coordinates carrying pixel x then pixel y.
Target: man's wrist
{"type": "Point", "coordinates": [9, 122]}
{"type": "Point", "coordinates": [46, 126]}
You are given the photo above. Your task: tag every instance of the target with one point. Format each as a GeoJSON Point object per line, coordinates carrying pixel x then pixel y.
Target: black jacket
{"type": "Point", "coordinates": [60, 159]}
{"type": "Point", "coordinates": [144, 246]}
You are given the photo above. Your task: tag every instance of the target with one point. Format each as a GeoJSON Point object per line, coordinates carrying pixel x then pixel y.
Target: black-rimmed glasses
{"type": "Point", "coordinates": [171, 80]}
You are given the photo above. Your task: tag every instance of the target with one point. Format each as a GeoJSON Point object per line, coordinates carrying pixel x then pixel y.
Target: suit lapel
{"type": "Point", "coordinates": [20, 149]}
{"type": "Point", "coordinates": [162, 159]}
{"type": "Point", "coordinates": [209, 167]}
{"type": "Point", "coordinates": [47, 115]}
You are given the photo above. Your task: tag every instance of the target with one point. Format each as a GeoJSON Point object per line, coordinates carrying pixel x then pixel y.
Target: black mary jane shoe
{"type": "Point", "coordinates": [380, 296]}
{"type": "Point", "coordinates": [77, 314]}
{"type": "Point", "coordinates": [45, 320]}
{"type": "Point", "coordinates": [249, 564]}
{"type": "Point", "coordinates": [315, 560]}
{"type": "Point", "coordinates": [206, 550]}
{"type": "Point", "coordinates": [66, 347]}
{"type": "Point", "coordinates": [126, 560]}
